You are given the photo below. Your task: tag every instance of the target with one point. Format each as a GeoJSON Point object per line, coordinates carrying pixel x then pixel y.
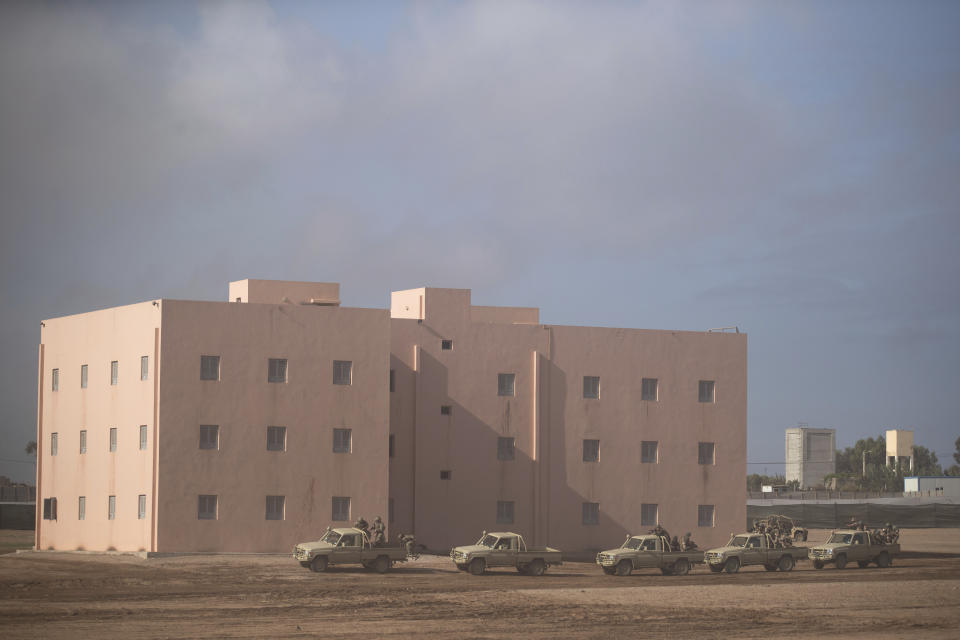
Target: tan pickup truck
{"type": "Point", "coordinates": [852, 546]}
{"type": "Point", "coordinates": [647, 552]}
{"type": "Point", "coordinates": [346, 546]}
{"type": "Point", "coordinates": [504, 549]}
{"type": "Point", "coordinates": [745, 549]}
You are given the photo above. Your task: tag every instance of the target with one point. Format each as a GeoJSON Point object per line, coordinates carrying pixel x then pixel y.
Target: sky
{"type": "Point", "coordinates": [790, 168]}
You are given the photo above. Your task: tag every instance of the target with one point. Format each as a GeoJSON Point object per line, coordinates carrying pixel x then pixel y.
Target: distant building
{"type": "Point", "coordinates": [811, 455]}
{"type": "Point", "coordinates": [932, 486]}
{"type": "Point", "coordinates": [900, 448]}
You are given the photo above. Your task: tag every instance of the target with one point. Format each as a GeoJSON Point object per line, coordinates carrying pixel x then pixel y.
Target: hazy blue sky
{"type": "Point", "coordinates": [791, 168]}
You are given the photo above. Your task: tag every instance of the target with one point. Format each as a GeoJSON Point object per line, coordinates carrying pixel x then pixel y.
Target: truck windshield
{"type": "Point", "coordinates": [738, 541]}
{"type": "Point", "coordinates": [843, 538]}
{"type": "Point", "coordinates": [332, 537]}
{"type": "Point", "coordinates": [488, 541]}
{"type": "Point", "coordinates": [633, 543]}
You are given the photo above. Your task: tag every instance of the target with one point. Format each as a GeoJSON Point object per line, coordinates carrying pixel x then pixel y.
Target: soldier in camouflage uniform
{"type": "Point", "coordinates": [379, 532]}
{"type": "Point", "coordinates": [688, 544]}
{"type": "Point", "coordinates": [362, 525]}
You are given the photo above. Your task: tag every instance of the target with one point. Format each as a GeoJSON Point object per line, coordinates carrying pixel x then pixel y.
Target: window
{"type": "Point", "coordinates": [506, 384]}
{"type": "Point", "coordinates": [114, 372]}
{"type": "Point", "coordinates": [55, 378]}
{"type": "Point", "coordinates": [342, 372]}
{"type": "Point", "coordinates": [113, 438]}
{"type": "Point", "coordinates": [341, 509]}
{"type": "Point", "coordinates": [648, 389]}
{"type": "Point", "coordinates": [206, 507]}
{"type": "Point", "coordinates": [648, 515]}
{"type": "Point", "coordinates": [49, 508]}
{"type": "Point", "coordinates": [392, 445]}
{"type": "Point", "coordinates": [446, 345]}
{"type": "Point", "coordinates": [54, 441]}
{"type": "Point", "coordinates": [275, 507]}
{"type": "Point", "coordinates": [210, 368]}
{"type": "Point", "coordinates": [143, 437]}
{"type": "Point", "coordinates": [342, 440]}
{"type": "Point", "coordinates": [506, 448]}
{"type": "Point", "coordinates": [276, 438]}
{"type": "Point", "coordinates": [83, 376]}
{"type": "Point", "coordinates": [707, 391]}
{"type": "Point", "coordinates": [445, 474]}
{"type": "Point", "coordinates": [591, 450]}
{"type": "Point", "coordinates": [393, 380]}
{"type": "Point", "coordinates": [504, 511]}
{"type": "Point", "coordinates": [144, 367]}
{"type": "Point", "coordinates": [210, 437]}
{"type": "Point", "coordinates": [83, 441]}
{"type": "Point", "coordinates": [706, 454]}
{"type": "Point", "coordinates": [591, 386]}
{"type": "Point", "coordinates": [705, 515]}
{"type": "Point", "coordinates": [445, 410]}
{"type": "Point", "coordinates": [141, 507]}
{"type": "Point", "coordinates": [277, 370]}
{"type": "Point", "coordinates": [82, 508]}
{"type": "Point", "coordinates": [591, 513]}
{"type": "Point", "coordinates": [648, 451]}
{"type": "Point", "coordinates": [390, 510]}
{"type": "Point", "coordinates": [112, 508]}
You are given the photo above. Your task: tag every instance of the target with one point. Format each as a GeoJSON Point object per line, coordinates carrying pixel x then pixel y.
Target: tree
{"type": "Point", "coordinates": [31, 448]}
{"type": "Point", "coordinates": [755, 481]}
{"type": "Point", "coordinates": [878, 476]}
{"type": "Point", "coordinates": [956, 454]}
{"type": "Point", "coordinates": [925, 462]}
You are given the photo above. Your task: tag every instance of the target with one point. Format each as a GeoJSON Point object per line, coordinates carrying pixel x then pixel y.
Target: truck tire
{"type": "Point", "coordinates": [536, 568]}
{"type": "Point", "coordinates": [624, 568]}
{"type": "Point", "coordinates": [785, 563]}
{"type": "Point", "coordinates": [319, 564]}
{"type": "Point", "coordinates": [818, 564]}
{"type": "Point", "coordinates": [770, 567]}
{"type": "Point", "coordinates": [715, 568]}
{"type": "Point", "coordinates": [304, 564]}
{"type": "Point", "coordinates": [841, 561]}
{"type": "Point", "coordinates": [381, 564]}
{"type": "Point", "coordinates": [863, 564]}
{"type": "Point", "coordinates": [884, 560]}
{"type": "Point", "coordinates": [681, 567]}
{"type": "Point", "coordinates": [522, 569]}
{"type": "Point", "coordinates": [732, 565]}
{"type": "Point", "coordinates": [478, 566]}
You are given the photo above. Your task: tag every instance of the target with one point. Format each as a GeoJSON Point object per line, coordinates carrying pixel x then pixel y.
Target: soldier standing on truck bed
{"type": "Point", "coordinates": [660, 531]}
{"type": "Point", "coordinates": [379, 532]}
{"type": "Point", "coordinates": [363, 526]}
{"type": "Point", "coordinates": [688, 544]}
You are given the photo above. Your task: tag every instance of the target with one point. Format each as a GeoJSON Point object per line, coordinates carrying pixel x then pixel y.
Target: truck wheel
{"type": "Point", "coordinates": [522, 569]}
{"type": "Point", "coordinates": [841, 561]}
{"type": "Point", "coordinates": [304, 564]}
{"type": "Point", "coordinates": [770, 567]}
{"type": "Point", "coordinates": [863, 564]}
{"type": "Point", "coordinates": [319, 564]}
{"type": "Point", "coordinates": [624, 568]}
{"type": "Point", "coordinates": [732, 565]}
{"type": "Point", "coordinates": [681, 567]}
{"type": "Point", "coordinates": [478, 566]}
{"type": "Point", "coordinates": [786, 563]}
{"type": "Point", "coordinates": [715, 568]}
{"type": "Point", "coordinates": [536, 568]}
{"type": "Point", "coordinates": [609, 570]}
{"type": "Point", "coordinates": [883, 560]}
{"type": "Point", "coordinates": [381, 564]}
{"type": "Point", "coordinates": [818, 564]}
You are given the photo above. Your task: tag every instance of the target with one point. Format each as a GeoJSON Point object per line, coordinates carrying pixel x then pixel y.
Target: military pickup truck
{"type": "Point", "coordinates": [852, 545]}
{"type": "Point", "coordinates": [347, 546]}
{"type": "Point", "coordinates": [745, 549]}
{"type": "Point", "coordinates": [647, 552]}
{"type": "Point", "coordinates": [504, 549]}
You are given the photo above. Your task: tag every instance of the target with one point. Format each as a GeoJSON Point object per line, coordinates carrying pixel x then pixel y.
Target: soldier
{"type": "Point", "coordinates": [362, 525]}
{"type": "Point", "coordinates": [890, 534]}
{"type": "Point", "coordinates": [379, 532]}
{"type": "Point", "coordinates": [660, 531]}
{"type": "Point", "coordinates": [408, 541]}
{"type": "Point", "coordinates": [675, 544]}
{"type": "Point", "coordinates": [688, 544]}
{"type": "Point", "coordinates": [851, 523]}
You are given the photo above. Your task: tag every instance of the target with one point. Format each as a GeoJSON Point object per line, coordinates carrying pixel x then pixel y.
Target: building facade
{"type": "Point", "coordinates": [810, 455]}
{"type": "Point", "coordinates": [252, 424]}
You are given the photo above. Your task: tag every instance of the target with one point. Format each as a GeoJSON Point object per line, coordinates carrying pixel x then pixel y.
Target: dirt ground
{"type": "Point", "coordinates": [71, 595]}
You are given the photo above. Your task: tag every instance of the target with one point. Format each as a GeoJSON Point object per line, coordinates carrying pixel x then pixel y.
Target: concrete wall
{"type": "Point", "coordinates": [124, 334]}
{"type": "Point", "coordinates": [810, 455]}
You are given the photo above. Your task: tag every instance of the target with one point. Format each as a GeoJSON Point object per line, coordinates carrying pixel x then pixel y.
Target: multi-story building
{"type": "Point", "coordinates": [252, 424]}
{"type": "Point", "coordinates": [810, 455]}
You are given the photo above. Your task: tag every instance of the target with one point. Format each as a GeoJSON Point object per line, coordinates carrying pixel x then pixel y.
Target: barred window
{"type": "Point", "coordinates": [648, 452]}
{"type": "Point", "coordinates": [275, 505]}
{"type": "Point", "coordinates": [707, 391]}
{"type": "Point", "coordinates": [342, 372]}
{"type": "Point", "coordinates": [144, 367]}
{"type": "Point", "coordinates": [49, 508]}
{"type": "Point", "coordinates": [506, 448]}
{"type": "Point", "coordinates": [446, 345]}
{"type": "Point", "coordinates": [112, 508]}
{"type": "Point", "coordinates": [649, 514]}
{"type": "Point", "coordinates": [341, 509]}
{"type": "Point", "coordinates": [83, 376]}
{"type": "Point", "coordinates": [591, 450]}
{"type": "Point", "coordinates": [113, 438]}
{"type": "Point", "coordinates": [143, 437]}
{"type": "Point", "coordinates": [210, 368]}
{"type": "Point", "coordinates": [506, 384]}
{"type": "Point", "coordinates": [591, 386]}
{"type": "Point", "coordinates": [277, 370]}
{"type": "Point", "coordinates": [591, 513]}
{"type": "Point", "coordinates": [342, 440]}
{"type": "Point", "coordinates": [276, 438]}
{"type": "Point", "coordinates": [210, 437]}
{"type": "Point", "coordinates": [505, 511]}
{"type": "Point", "coordinates": [82, 508]}
{"type": "Point", "coordinates": [206, 507]}
{"type": "Point", "coordinates": [54, 442]}
{"type": "Point", "coordinates": [83, 441]}
{"type": "Point", "coordinates": [141, 507]}
{"type": "Point", "coordinates": [55, 379]}
{"type": "Point", "coordinates": [705, 515]}
{"type": "Point", "coordinates": [114, 372]}
{"type": "Point", "coordinates": [445, 409]}
{"type": "Point", "coordinates": [648, 389]}
{"type": "Point", "coordinates": [706, 453]}
{"type": "Point", "coordinates": [445, 474]}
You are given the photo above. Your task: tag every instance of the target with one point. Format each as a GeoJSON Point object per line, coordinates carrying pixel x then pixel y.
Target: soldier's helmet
{"type": "Point", "coordinates": [377, 519]}
{"type": "Point", "coordinates": [686, 535]}
{"type": "Point", "coordinates": [888, 526]}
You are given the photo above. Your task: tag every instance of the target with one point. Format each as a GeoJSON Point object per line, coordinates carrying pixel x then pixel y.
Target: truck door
{"type": "Point", "coordinates": [754, 552]}
{"type": "Point", "coordinates": [858, 546]}
{"type": "Point", "coordinates": [504, 553]}
{"type": "Point", "coordinates": [348, 549]}
{"type": "Point", "coordinates": [649, 556]}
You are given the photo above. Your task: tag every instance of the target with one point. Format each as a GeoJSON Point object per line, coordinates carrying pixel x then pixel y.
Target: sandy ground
{"type": "Point", "coordinates": [70, 595]}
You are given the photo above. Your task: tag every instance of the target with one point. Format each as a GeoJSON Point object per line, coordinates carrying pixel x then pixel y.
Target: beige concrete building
{"type": "Point", "coordinates": [250, 425]}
